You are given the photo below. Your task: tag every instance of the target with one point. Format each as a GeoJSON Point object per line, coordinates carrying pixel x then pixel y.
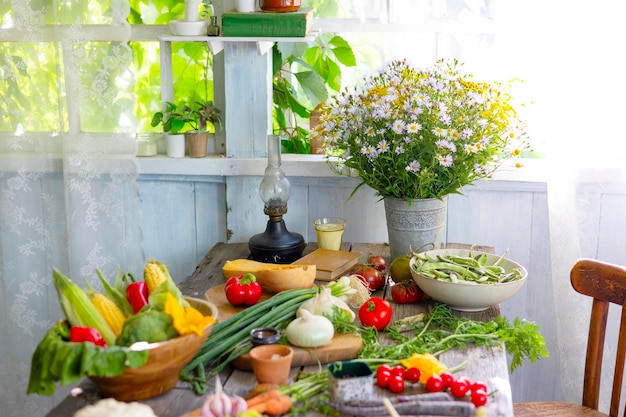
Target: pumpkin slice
{"type": "Point", "coordinates": [273, 277]}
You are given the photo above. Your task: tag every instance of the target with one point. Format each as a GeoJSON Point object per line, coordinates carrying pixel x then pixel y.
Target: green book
{"type": "Point", "coordinates": [267, 24]}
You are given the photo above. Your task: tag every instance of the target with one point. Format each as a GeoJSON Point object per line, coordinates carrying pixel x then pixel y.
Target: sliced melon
{"type": "Point", "coordinates": [273, 277]}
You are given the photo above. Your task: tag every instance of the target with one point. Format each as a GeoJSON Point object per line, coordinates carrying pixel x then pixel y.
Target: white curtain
{"type": "Point", "coordinates": [573, 60]}
{"type": "Point", "coordinates": [68, 198]}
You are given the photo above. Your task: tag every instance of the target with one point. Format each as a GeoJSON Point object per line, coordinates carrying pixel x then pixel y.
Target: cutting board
{"type": "Point", "coordinates": [342, 347]}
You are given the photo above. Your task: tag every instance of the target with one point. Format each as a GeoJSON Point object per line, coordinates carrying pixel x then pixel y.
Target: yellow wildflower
{"type": "Point", "coordinates": [186, 320]}
{"type": "Point", "coordinates": [426, 363]}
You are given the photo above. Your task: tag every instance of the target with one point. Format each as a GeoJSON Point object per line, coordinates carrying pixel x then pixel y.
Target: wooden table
{"type": "Point", "coordinates": [489, 365]}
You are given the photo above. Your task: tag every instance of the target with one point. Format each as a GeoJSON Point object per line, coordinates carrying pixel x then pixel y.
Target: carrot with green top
{"type": "Point", "coordinates": [274, 405]}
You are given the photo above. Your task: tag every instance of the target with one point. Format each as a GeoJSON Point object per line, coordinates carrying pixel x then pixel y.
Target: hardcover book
{"type": "Point", "coordinates": [264, 24]}
{"type": "Point", "coordinates": [330, 264]}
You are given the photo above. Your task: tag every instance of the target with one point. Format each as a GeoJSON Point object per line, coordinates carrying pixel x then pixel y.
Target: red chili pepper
{"type": "Point", "coordinates": [243, 290]}
{"type": "Point", "coordinates": [137, 295]}
{"type": "Point", "coordinates": [86, 334]}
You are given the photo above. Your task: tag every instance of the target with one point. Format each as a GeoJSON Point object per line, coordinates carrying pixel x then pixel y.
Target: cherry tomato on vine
{"type": "Point", "coordinates": [396, 384]}
{"type": "Point", "coordinates": [434, 384]}
{"type": "Point", "coordinates": [398, 370]}
{"type": "Point", "coordinates": [479, 398]}
{"type": "Point", "coordinates": [375, 312]}
{"type": "Point", "coordinates": [413, 375]}
{"type": "Point", "coordinates": [447, 379]}
{"type": "Point", "coordinates": [383, 375]}
{"type": "Point", "coordinates": [383, 368]}
{"type": "Point", "coordinates": [459, 387]}
{"type": "Point", "coordinates": [478, 385]}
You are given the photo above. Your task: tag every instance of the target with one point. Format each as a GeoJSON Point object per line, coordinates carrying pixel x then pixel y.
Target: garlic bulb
{"type": "Point", "coordinates": [219, 404]}
{"type": "Point", "coordinates": [327, 305]}
{"type": "Point", "coordinates": [309, 330]}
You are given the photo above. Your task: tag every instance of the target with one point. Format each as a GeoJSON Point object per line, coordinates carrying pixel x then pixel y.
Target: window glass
{"type": "Point", "coordinates": [29, 87]}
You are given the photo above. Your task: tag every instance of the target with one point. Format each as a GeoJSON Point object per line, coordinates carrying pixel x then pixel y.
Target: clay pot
{"type": "Point", "coordinates": [280, 5]}
{"type": "Point", "coordinates": [271, 363]}
{"type": "Point", "coordinates": [197, 143]}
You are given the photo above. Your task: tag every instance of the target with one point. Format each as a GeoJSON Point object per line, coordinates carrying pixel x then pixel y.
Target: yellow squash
{"type": "Point", "coordinates": [273, 277]}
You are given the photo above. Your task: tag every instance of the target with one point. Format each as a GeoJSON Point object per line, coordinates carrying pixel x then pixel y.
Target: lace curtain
{"type": "Point", "coordinates": [575, 68]}
{"type": "Point", "coordinates": [68, 195]}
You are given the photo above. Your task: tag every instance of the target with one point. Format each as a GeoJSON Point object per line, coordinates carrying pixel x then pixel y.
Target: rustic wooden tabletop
{"type": "Point", "coordinates": [485, 364]}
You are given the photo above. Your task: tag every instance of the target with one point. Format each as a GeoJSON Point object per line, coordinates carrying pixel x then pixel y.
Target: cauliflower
{"type": "Point", "coordinates": [111, 407]}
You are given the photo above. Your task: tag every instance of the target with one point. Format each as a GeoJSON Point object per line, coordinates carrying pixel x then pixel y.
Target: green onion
{"type": "Point", "coordinates": [229, 339]}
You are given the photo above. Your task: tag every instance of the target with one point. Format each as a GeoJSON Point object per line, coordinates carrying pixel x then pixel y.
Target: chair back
{"type": "Point", "coordinates": [605, 283]}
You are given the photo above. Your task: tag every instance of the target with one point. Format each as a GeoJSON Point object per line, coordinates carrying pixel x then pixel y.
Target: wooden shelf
{"type": "Point", "coordinates": [216, 43]}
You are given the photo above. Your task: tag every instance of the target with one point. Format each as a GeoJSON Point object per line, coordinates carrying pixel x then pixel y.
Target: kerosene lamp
{"type": "Point", "coordinates": [276, 244]}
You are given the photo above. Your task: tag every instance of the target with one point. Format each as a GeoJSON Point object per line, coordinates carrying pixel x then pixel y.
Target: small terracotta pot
{"type": "Point", "coordinates": [271, 363]}
{"type": "Point", "coordinates": [197, 143]}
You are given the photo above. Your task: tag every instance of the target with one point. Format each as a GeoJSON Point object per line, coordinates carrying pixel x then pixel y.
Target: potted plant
{"type": "Point", "coordinates": [199, 116]}
{"type": "Point", "coordinates": [189, 123]}
{"type": "Point", "coordinates": [416, 136]}
{"type": "Point", "coordinates": [173, 121]}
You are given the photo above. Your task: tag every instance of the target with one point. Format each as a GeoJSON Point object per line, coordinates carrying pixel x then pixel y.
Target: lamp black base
{"type": "Point", "coordinates": [276, 245]}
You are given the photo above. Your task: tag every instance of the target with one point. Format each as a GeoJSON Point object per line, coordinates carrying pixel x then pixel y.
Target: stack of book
{"type": "Point", "coordinates": [330, 264]}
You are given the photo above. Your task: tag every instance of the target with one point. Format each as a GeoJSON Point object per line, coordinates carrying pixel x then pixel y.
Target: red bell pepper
{"type": "Point", "coordinates": [137, 295]}
{"type": "Point", "coordinates": [243, 290]}
{"type": "Point", "coordinates": [86, 334]}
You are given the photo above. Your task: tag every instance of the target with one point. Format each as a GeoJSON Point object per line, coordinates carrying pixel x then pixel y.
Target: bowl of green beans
{"type": "Point", "coordinates": [466, 279]}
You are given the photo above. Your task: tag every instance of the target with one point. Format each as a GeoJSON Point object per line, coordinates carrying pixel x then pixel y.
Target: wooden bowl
{"type": "Point", "coordinates": [165, 362]}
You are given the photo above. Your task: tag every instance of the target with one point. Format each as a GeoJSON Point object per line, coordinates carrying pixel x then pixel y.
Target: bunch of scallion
{"type": "Point", "coordinates": [230, 338]}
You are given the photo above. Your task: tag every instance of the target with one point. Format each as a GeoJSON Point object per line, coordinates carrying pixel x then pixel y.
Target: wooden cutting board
{"type": "Point", "coordinates": [342, 347]}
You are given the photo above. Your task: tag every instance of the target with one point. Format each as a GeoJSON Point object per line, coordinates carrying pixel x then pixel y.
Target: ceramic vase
{"type": "Point", "coordinates": [175, 145]}
{"type": "Point", "coordinates": [416, 226]}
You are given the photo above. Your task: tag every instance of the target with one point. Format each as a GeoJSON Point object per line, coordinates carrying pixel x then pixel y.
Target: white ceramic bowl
{"type": "Point", "coordinates": [185, 28]}
{"type": "Point", "coordinates": [468, 297]}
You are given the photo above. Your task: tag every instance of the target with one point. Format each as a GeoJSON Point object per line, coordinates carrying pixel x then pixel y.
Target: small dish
{"type": "Point", "coordinates": [189, 28]}
{"type": "Point", "coordinates": [264, 336]}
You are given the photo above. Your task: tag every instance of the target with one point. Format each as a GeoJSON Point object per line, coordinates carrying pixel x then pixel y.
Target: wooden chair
{"type": "Point", "coordinates": [606, 283]}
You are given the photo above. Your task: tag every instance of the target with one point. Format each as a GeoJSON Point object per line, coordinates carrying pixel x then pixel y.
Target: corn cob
{"type": "Point", "coordinates": [154, 274]}
{"type": "Point", "coordinates": [78, 308]}
{"type": "Point", "coordinates": [115, 295]}
{"type": "Point", "coordinates": [110, 312]}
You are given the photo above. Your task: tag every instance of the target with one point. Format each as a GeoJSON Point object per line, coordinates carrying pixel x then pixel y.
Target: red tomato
{"type": "Point", "coordinates": [382, 377]}
{"type": "Point", "coordinates": [370, 276]}
{"type": "Point", "coordinates": [477, 386]}
{"type": "Point", "coordinates": [434, 384]}
{"type": "Point", "coordinates": [447, 379]}
{"type": "Point", "coordinates": [413, 375]}
{"type": "Point", "coordinates": [459, 387]}
{"type": "Point", "coordinates": [396, 384]}
{"type": "Point", "coordinates": [398, 371]}
{"type": "Point", "coordinates": [479, 398]}
{"type": "Point", "coordinates": [383, 368]}
{"type": "Point", "coordinates": [377, 262]}
{"type": "Point", "coordinates": [375, 312]}
{"type": "Point", "coordinates": [406, 291]}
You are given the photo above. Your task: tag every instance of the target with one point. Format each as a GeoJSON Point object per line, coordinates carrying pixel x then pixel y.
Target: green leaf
{"type": "Point", "coordinates": [345, 55]}
{"type": "Point", "coordinates": [313, 85]}
{"type": "Point", "coordinates": [333, 77]}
